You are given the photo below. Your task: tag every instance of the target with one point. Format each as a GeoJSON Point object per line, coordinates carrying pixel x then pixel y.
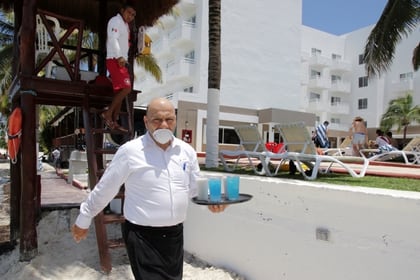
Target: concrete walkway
{"type": "Point", "coordinates": [56, 193]}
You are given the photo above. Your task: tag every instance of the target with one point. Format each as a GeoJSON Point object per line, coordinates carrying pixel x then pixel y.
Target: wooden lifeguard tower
{"type": "Point", "coordinates": [30, 89]}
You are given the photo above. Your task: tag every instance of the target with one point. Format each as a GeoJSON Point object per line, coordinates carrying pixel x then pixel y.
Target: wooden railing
{"type": "Point", "coordinates": [74, 27]}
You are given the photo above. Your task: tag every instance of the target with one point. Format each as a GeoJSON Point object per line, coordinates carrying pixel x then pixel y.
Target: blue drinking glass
{"type": "Point", "coordinates": [215, 189]}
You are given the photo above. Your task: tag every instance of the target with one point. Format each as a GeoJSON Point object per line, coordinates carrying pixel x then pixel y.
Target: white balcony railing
{"type": "Point", "coordinates": [319, 82]}
{"type": "Point", "coordinates": [402, 86]}
{"type": "Point", "coordinates": [339, 126]}
{"type": "Point", "coordinates": [340, 108]}
{"type": "Point", "coordinates": [183, 34]}
{"type": "Point", "coordinates": [340, 86]}
{"type": "Point", "coordinates": [340, 65]}
{"type": "Point", "coordinates": [315, 105]}
{"type": "Point", "coordinates": [160, 46]}
{"type": "Point", "coordinates": [319, 60]}
{"type": "Point", "coordinates": [184, 68]}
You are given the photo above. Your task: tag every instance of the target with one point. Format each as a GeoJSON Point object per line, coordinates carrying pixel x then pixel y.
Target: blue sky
{"type": "Point", "coordinates": [341, 16]}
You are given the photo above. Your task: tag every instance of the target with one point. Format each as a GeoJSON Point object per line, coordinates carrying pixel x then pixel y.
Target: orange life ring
{"type": "Point", "coordinates": [14, 132]}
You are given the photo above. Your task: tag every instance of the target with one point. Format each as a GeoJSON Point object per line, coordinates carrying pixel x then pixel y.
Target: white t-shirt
{"type": "Point", "coordinates": [158, 183]}
{"type": "Point", "coordinates": [382, 141]}
{"type": "Point", "coordinates": [56, 154]}
{"type": "Point", "coordinates": [118, 33]}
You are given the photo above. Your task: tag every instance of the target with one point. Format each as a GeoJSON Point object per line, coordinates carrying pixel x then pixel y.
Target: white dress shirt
{"type": "Point", "coordinates": [118, 33]}
{"type": "Point", "coordinates": [158, 183]}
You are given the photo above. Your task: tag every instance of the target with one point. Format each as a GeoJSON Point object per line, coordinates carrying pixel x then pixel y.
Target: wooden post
{"type": "Point", "coordinates": [15, 170]}
{"type": "Point", "coordinates": [103, 16]}
{"type": "Point", "coordinates": [28, 235]}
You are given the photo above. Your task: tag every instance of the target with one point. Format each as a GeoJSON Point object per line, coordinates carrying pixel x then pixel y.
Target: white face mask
{"type": "Point", "coordinates": [162, 136]}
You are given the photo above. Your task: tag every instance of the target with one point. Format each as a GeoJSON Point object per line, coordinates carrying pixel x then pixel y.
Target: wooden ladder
{"type": "Point", "coordinates": [96, 153]}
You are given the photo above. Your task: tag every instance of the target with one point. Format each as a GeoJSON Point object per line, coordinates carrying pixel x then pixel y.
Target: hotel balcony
{"type": "Point", "coordinates": [340, 108]}
{"type": "Point", "coordinates": [182, 36]}
{"type": "Point", "coordinates": [181, 71]}
{"type": "Point", "coordinates": [315, 105]}
{"type": "Point", "coordinates": [188, 6]}
{"type": "Point", "coordinates": [304, 57]}
{"type": "Point", "coordinates": [402, 86]}
{"type": "Point", "coordinates": [339, 126]}
{"type": "Point", "coordinates": [160, 48]}
{"type": "Point", "coordinates": [319, 61]}
{"type": "Point", "coordinates": [340, 86]}
{"type": "Point", "coordinates": [319, 83]}
{"type": "Point", "coordinates": [340, 66]}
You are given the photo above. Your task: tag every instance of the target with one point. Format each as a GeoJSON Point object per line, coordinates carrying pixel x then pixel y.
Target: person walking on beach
{"type": "Point", "coordinates": [56, 154]}
{"type": "Point", "coordinates": [117, 46]}
{"type": "Point", "coordinates": [359, 135]}
{"type": "Point", "coordinates": [159, 172]}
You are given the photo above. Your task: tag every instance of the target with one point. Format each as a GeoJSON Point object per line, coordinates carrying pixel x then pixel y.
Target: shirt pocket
{"type": "Point", "coordinates": [181, 176]}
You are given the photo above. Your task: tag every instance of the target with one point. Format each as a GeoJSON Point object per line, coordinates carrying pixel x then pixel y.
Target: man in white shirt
{"type": "Point", "coordinates": [117, 46]}
{"type": "Point", "coordinates": [159, 172]}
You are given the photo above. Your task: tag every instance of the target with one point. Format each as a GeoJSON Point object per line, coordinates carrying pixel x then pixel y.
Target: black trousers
{"type": "Point", "coordinates": [155, 253]}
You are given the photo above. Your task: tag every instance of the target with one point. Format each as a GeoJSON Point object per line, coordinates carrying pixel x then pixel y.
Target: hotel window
{"type": "Point", "coordinates": [314, 97]}
{"type": "Point", "coordinates": [335, 79]}
{"type": "Point", "coordinates": [363, 81]}
{"type": "Point", "coordinates": [191, 20]}
{"type": "Point", "coordinates": [315, 52]}
{"type": "Point", "coordinates": [361, 59]}
{"type": "Point", "coordinates": [336, 56]}
{"type": "Point", "coordinates": [363, 103]}
{"type": "Point", "coordinates": [335, 101]}
{"type": "Point", "coordinates": [315, 74]}
{"type": "Point", "coordinates": [189, 89]}
{"type": "Point", "coordinates": [228, 136]}
{"type": "Point", "coordinates": [335, 120]}
{"type": "Point", "coordinates": [190, 57]}
{"type": "Point", "coordinates": [406, 76]}
{"type": "Point", "coordinates": [169, 64]}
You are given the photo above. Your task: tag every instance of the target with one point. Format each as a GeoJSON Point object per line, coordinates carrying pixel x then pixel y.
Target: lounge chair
{"type": "Point", "coordinates": [410, 154]}
{"type": "Point", "coordinates": [301, 149]}
{"type": "Point", "coordinates": [345, 148]}
{"type": "Point", "coordinates": [252, 148]}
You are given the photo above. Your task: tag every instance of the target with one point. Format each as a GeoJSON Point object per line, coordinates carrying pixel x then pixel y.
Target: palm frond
{"type": "Point", "coordinates": [6, 75]}
{"type": "Point", "coordinates": [401, 113]}
{"type": "Point", "coordinates": [150, 65]}
{"type": "Point", "coordinates": [416, 58]}
{"type": "Point", "coordinates": [47, 113]}
{"type": "Point", "coordinates": [6, 29]}
{"type": "Point", "coordinates": [399, 18]}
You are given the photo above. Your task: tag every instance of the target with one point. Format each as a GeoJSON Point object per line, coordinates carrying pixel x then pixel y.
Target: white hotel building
{"type": "Point", "coordinates": [274, 70]}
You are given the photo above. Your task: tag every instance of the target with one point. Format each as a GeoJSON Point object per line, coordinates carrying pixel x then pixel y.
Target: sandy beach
{"type": "Point", "coordinates": [60, 258]}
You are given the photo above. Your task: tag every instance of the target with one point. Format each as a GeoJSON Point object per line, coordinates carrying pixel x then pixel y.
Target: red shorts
{"type": "Point", "coordinates": [119, 75]}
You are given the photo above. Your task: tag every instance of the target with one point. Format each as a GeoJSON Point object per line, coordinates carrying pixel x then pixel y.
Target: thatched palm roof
{"type": "Point", "coordinates": [88, 10]}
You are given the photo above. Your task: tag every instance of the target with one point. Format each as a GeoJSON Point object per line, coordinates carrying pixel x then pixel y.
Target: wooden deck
{"type": "Point", "coordinates": [56, 193]}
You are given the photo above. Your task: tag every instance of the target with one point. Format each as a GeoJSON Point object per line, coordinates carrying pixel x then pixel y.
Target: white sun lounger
{"type": "Point", "coordinates": [301, 149]}
{"type": "Point", "coordinates": [251, 148]}
{"type": "Point", "coordinates": [410, 154]}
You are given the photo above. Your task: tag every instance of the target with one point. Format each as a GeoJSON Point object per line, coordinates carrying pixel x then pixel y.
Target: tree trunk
{"type": "Point", "coordinates": [213, 94]}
